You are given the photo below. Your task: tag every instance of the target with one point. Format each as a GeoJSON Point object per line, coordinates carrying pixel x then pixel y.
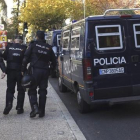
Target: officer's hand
{"type": "Point", "coordinates": [3, 75]}
{"type": "Point", "coordinates": [22, 73]}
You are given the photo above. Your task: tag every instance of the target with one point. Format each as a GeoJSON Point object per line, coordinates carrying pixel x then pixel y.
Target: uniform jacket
{"type": "Point", "coordinates": [13, 55]}
{"type": "Point", "coordinates": [39, 55]}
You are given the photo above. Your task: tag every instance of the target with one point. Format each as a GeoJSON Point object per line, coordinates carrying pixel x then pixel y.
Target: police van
{"type": "Point", "coordinates": [53, 38]}
{"type": "Point", "coordinates": [100, 59]}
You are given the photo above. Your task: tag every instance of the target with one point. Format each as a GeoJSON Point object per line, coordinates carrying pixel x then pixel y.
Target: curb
{"type": "Point", "coordinates": [70, 121]}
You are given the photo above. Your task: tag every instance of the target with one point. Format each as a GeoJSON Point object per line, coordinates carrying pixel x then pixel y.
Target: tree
{"type": "Point", "coordinates": [50, 14]}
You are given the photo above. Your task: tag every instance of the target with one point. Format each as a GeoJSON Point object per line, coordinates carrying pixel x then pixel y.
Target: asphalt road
{"type": "Point", "coordinates": [104, 122]}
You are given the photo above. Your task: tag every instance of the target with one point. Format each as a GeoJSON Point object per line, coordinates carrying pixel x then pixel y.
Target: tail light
{"type": "Point", "coordinates": [91, 94]}
{"type": "Point", "coordinates": [87, 69]}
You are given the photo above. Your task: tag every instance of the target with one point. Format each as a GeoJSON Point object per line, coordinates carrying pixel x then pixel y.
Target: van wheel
{"type": "Point", "coordinates": [62, 87]}
{"type": "Point", "coordinates": [83, 107]}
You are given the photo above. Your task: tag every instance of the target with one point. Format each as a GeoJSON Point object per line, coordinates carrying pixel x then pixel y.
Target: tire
{"type": "Point", "coordinates": [83, 106]}
{"type": "Point", "coordinates": [62, 87]}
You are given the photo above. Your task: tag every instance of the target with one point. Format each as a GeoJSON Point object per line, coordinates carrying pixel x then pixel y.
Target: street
{"type": "Point", "coordinates": [104, 122]}
{"type": "Point", "coordinates": [56, 125]}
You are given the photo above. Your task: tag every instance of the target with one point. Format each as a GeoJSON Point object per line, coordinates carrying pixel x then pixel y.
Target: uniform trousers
{"type": "Point", "coordinates": [14, 78]}
{"type": "Point", "coordinates": [40, 81]}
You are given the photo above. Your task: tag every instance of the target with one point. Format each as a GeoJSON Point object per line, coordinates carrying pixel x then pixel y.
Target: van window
{"type": "Point", "coordinates": [48, 39]}
{"type": "Point", "coordinates": [58, 40]}
{"type": "Point", "coordinates": [75, 39]}
{"type": "Point", "coordinates": [66, 40]}
{"type": "Point", "coordinates": [108, 37]}
{"type": "Point", "coordinates": [136, 28]}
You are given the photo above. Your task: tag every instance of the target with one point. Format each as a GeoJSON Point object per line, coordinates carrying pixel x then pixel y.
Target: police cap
{"type": "Point", "coordinates": [40, 34]}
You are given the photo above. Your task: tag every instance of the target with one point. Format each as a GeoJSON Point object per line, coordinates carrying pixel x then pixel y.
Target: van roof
{"type": "Point", "coordinates": [101, 17]}
{"type": "Point", "coordinates": [54, 31]}
{"type": "Point", "coordinates": [110, 17]}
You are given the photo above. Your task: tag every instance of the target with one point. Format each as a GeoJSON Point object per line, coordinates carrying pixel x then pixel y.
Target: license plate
{"type": "Point", "coordinates": [111, 71]}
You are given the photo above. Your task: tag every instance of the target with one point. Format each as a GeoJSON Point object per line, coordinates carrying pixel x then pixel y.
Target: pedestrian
{"type": "Point", "coordinates": [2, 66]}
{"type": "Point", "coordinates": [39, 55]}
{"type": "Point", "coordinates": [13, 55]}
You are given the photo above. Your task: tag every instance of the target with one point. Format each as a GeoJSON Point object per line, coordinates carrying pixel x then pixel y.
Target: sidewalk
{"type": "Point", "coordinates": [58, 124]}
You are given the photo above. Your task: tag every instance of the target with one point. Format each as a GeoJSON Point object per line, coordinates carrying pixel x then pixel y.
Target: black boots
{"type": "Point", "coordinates": [34, 106]}
{"type": "Point", "coordinates": [42, 103]}
{"type": "Point", "coordinates": [7, 108]}
{"type": "Point", "coordinates": [41, 113]}
{"type": "Point", "coordinates": [20, 110]}
{"type": "Point", "coordinates": [20, 102]}
{"type": "Point", "coordinates": [34, 111]}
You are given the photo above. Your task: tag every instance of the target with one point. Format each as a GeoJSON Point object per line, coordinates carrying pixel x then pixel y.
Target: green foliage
{"type": "Point", "coordinates": [50, 14]}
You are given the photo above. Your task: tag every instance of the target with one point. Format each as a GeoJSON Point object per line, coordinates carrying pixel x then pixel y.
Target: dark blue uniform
{"type": "Point", "coordinates": [2, 64]}
{"type": "Point", "coordinates": [13, 55]}
{"type": "Point", "coordinates": [39, 54]}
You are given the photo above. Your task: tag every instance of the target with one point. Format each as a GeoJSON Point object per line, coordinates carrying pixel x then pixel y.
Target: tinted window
{"type": "Point", "coordinates": [108, 30]}
{"type": "Point", "coordinates": [75, 38]}
{"type": "Point", "coordinates": [136, 28]}
{"type": "Point", "coordinates": [75, 42]}
{"type": "Point", "coordinates": [65, 43]}
{"type": "Point", "coordinates": [65, 39]}
{"type": "Point", "coordinates": [58, 40]}
{"type": "Point", "coordinates": [49, 39]}
{"type": "Point", "coordinates": [109, 41]}
{"type": "Point", "coordinates": [108, 37]}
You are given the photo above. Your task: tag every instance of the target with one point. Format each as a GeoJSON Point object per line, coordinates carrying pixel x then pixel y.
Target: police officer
{"type": "Point", "coordinates": [2, 66]}
{"type": "Point", "coordinates": [13, 55]}
{"type": "Point", "coordinates": [39, 54]}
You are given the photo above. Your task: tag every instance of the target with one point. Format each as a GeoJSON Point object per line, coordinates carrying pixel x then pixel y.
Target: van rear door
{"type": "Point", "coordinates": [111, 58]}
{"type": "Point", "coordinates": [133, 40]}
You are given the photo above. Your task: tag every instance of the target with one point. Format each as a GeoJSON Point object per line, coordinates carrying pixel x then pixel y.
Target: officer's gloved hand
{"type": "Point", "coordinates": [3, 75]}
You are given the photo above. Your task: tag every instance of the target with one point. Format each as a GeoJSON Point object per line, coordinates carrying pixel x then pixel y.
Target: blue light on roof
{"type": "Point", "coordinates": [73, 21]}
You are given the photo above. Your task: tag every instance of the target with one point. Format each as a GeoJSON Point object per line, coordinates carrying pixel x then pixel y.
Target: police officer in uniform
{"type": "Point", "coordinates": [13, 55]}
{"type": "Point", "coordinates": [2, 66]}
{"type": "Point", "coordinates": [39, 54]}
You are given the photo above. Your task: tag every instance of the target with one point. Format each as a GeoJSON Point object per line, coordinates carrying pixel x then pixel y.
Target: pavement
{"type": "Point", "coordinates": [57, 124]}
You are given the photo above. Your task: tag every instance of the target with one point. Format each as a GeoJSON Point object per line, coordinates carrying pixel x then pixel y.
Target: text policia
{"type": "Point", "coordinates": [109, 61]}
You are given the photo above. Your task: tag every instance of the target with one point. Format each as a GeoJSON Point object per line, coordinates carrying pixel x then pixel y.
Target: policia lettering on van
{"type": "Point", "coordinates": [101, 59]}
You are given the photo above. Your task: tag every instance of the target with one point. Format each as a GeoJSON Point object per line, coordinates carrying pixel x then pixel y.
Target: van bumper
{"type": "Point", "coordinates": [117, 100]}
{"type": "Point", "coordinates": [116, 94]}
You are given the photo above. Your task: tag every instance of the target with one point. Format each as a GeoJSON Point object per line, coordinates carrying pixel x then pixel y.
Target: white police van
{"type": "Point", "coordinates": [100, 59]}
